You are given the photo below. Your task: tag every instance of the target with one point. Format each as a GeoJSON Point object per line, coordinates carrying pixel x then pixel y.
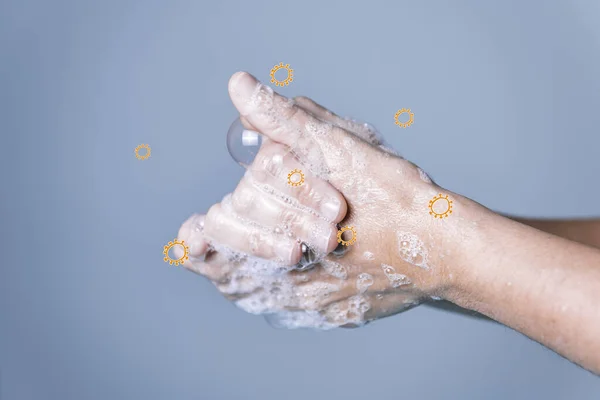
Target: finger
{"type": "Point", "coordinates": [201, 260]}
{"type": "Point", "coordinates": [283, 218]}
{"type": "Point", "coordinates": [246, 124]}
{"type": "Point", "coordinates": [216, 267]}
{"type": "Point", "coordinates": [362, 130]}
{"type": "Point", "coordinates": [272, 114]}
{"type": "Point", "coordinates": [244, 236]}
{"type": "Point", "coordinates": [285, 122]}
{"type": "Point", "coordinates": [191, 233]}
{"type": "Point", "coordinates": [272, 167]}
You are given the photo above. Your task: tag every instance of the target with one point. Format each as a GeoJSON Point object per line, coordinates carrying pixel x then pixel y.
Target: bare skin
{"type": "Point", "coordinates": [540, 284]}
{"type": "Point", "coordinates": [585, 231]}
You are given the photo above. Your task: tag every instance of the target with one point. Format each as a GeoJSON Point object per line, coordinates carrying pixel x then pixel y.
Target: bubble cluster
{"type": "Point", "coordinates": [368, 255]}
{"type": "Point", "coordinates": [396, 280]}
{"type": "Point", "coordinates": [363, 130]}
{"type": "Point", "coordinates": [366, 191]}
{"type": "Point", "coordinates": [263, 96]}
{"type": "Point", "coordinates": [274, 112]}
{"type": "Point", "coordinates": [363, 282]}
{"type": "Point", "coordinates": [290, 301]}
{"type": "Point", "coordinates": [335, 269]}
{"type": "Point", "coordinates": [412, 250]}
{"type": "Point", "coordinates": [423, 175]}
{"type": "Point", "coordinates": [352, 311]}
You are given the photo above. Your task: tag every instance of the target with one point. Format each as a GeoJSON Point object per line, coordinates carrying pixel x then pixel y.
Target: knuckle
{"type": "Point", "coordinates": [279, 130]}
{"type": "Point", "coordinates": [290, 218]}
{"type": "Point", "coordinates": [212, 218]}
{"type": "Point", "coordinates": [242, 199]}
{"type": "Point", "coordinates": [267, 151]}
{"type": "Point", "coordinates": [307, 195]}
{"type": "Point", "coordinates": [271, 160]}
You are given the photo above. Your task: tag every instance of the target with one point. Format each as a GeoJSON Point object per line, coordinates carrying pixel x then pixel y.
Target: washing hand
{"type": "Point", "coordinates": [248, 244]}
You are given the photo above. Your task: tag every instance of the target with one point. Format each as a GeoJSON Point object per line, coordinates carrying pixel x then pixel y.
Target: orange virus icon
{"type": "Point", "coordinates": [142, 156]}
{"type": "Point", "coordinates": [448, 208]}
{"type": "Point", "coordinates": [295, 177]}
{"type": "Point", "coordinates": [287, 80]}
{"type": "Point", "coordinates": [411, 118]}
{"type": "Point", "coordinates": [351, 240]}
{"type": "Point", "coordinates": [180, 260]}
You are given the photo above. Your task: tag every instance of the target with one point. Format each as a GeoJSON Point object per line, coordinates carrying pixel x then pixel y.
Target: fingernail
{"type": "Point", "coordinates": [330, 209]}
{"type": "Point", "coordinates": [242, 87]}
{"type": "Point", "coordinates": [328, 239]}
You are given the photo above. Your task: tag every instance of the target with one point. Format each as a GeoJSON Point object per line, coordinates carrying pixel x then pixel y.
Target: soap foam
{"type": "Point", "coordinates": [293, 300]}
{"type": "Point", "coordinates": [363, 281]}
{"type": "Point", "coordinates": [423, 175]}
{"type": "Point", "coordinates": [267, 288]}
{"type": "Point", "coordinates": [368, 255]}
{"type": "Point", "coordinates": [412, 250]}
{"type": "Point", "coordinates": [396, 279]}
{"type": "Point", "coordinates": [334, 269]}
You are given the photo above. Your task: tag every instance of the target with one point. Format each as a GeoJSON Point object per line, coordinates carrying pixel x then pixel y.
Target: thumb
{"type": "Point", "coordinates": [322, 147]}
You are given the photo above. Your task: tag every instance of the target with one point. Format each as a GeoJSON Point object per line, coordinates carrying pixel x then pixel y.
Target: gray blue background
{"type": "Point", "coordinates": [505, 96]}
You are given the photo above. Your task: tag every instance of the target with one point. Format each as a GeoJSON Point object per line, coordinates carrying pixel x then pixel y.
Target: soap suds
{"type": "Point", "coordinates": [412, 250]}
{"type": "Point", "coordinates": [368, 255]}
{"type": "Point", "coordinates": [293, 300]}
{"type": "Point", "coordinates": [363, 282]}
{"type": "Point", "coordinates": [334, 269]}
{"type": "Point", "coordinates": [266, 288]}
{"type": "Point", "coordinates": [396, 279]}
{"type": "Point", "coordinates": [423, 175]}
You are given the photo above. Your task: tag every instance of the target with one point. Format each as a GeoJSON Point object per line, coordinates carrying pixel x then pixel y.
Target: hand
{"type": "Point", "coordinates": [251, 240]}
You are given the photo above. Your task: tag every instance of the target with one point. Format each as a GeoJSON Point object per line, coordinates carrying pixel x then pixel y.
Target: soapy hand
{"type": "Point", "coordinates": [248, 244]}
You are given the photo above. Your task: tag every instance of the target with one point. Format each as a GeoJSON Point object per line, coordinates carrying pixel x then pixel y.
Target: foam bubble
{"type": "Point", "coordinates": [351, 311]}
{"type": "Point", "coordinates": [363, 281]}
{"type": "Point", "coordinates": [262, 96]}
{"type": "Point", "coordinates": [396, 279]}
{"type": "Point", "coordinates": [423, 175]}
{"type": "Point", "coordinates": [368, 255]}
{"type": "Point", "coordinates": [359, 160]}
{"type": "Point", "coordinates": [291, 201]}
{"type": "Point", "coordinates": [363, 130]}
{"type": "Point", "coordinates": [300, 319]}
{"type": "Point", "coordinates": [359, 305]}
{"type": "Point", "coordinates": [267, 288]}
{"type": "Point", "coordinates": [366, 191]}
{"type": "Point", "coordinates": [389, 150]}
{"type": "Point", "coordinates": [412, 249]}
{"type": "Point", "coordinates": [334, 269]}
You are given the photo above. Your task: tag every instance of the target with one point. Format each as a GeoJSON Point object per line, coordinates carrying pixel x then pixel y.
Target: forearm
{"type": "Point", "coordinates": [582, 231]}
{"type": "Point", "coordinates": [544, 286]}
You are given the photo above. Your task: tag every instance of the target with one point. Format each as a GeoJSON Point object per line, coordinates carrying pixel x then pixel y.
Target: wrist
{"type": "Point", "coordinates": [462, 247]}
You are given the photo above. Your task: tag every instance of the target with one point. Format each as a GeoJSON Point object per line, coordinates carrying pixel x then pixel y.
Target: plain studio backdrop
{"type": "Point", "coordinates": [505, 96]}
